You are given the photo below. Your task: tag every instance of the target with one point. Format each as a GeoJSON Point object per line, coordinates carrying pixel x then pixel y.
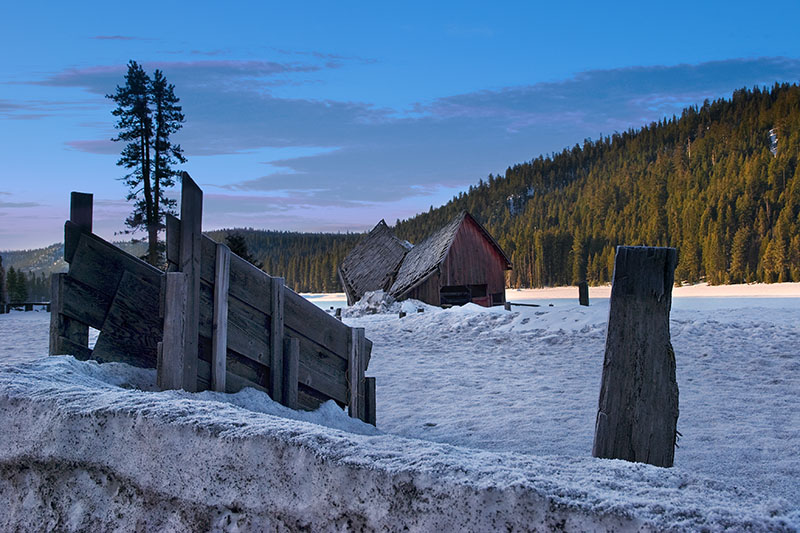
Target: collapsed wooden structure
{"type": "Point", "coordinates": [457, 264]}
{"type": "Point", "coordinates": [212, 321]}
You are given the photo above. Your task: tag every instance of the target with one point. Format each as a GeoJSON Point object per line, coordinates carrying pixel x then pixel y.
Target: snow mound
{"type": "Point", "coordinates": [381, 303]}
{"type": "Point", "coordinates": [88, 446]}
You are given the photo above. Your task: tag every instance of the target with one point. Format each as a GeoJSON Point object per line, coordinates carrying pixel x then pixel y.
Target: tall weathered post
{"type": "Point", "coordinates": [638, 409]}
{"type": "Point", "coordinates": [179, 352]}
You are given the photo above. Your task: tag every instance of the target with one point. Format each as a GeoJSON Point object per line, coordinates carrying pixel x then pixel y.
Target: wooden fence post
{"type": "Point", "coordinates": [291, 365]}
{"type": "Point", "coordinates": [638, 408]}
{"type": "Point", "coordinates": [171, 363]}
{"type": "Point", "coordinates": [190, 250]}
{"type": "Point", "coordinates": [355, 373]}
{"type": "Point", "coordinates": [219, 332]}
{"type": "Point", "coordinates": [63, 330]}
{"type": "Point", "coordinates": [583, 293]}
{"type": "Point", "coordinates": [276, 340]}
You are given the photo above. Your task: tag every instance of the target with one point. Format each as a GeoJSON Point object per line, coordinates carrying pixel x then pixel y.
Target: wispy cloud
{"type": "Point", "coordinates": [16, 205]}
{"type": "Point", "coordinates": [383, 155]}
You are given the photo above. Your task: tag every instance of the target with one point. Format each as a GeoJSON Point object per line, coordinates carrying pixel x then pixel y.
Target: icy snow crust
{"type": "Point", "coordinates": [486, 420]}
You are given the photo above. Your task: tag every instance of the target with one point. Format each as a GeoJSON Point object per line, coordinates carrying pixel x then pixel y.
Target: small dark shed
{"type": "Point", "coordinates": [459, 263]}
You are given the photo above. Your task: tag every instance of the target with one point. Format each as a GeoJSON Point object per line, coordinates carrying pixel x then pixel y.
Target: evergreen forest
{"type": "Point", "coordinates": [720, 183]}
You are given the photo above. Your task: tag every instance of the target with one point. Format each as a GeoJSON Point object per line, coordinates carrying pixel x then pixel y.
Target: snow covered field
{"type": "Point", "coordinates": [522, 386]}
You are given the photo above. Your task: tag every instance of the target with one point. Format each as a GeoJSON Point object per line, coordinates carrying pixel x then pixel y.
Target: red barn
{"type": "Point", "coordinates": [459, 263]}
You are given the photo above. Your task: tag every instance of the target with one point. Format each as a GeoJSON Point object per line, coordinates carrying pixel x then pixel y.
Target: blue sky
{"type": "Point", "coordinates": [328, 116]}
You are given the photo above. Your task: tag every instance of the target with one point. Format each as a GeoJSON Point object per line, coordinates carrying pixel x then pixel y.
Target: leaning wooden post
{"type": "Point", "coordinates": [638, 408]}
{"type": "Point", "coordinates": [219, 332]}
{"type": "Point", "coordinates": [583, 293]}
{"type": "Point", "coordinates": [276, 340]}
{"type": "Point", "coordinates": [64, 330]}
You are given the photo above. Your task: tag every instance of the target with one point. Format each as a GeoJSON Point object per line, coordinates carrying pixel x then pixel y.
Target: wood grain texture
{"type": "Point", "coordinates": [170, 375]}
{"type": "Point", "coordinates": [638, 406]}
{"type": "Point", "coordinates": [190, 265]}
{"type": "Point", "coordinates": [219, 336]}
{"type": "Point", "coordinates": [276, 339]}
{"type": "Point", "coordinates": [132, 329]}
{"type": "Point", "coordinates": [67, 335]}
{"type": "Point", "coordinates": [315, 324]}
{"type": "Point", "coordinates": [291, 365]}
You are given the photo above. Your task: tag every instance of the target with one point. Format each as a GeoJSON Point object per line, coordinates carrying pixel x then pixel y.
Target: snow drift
{"type": "Point", "coordinates": [88, 446]}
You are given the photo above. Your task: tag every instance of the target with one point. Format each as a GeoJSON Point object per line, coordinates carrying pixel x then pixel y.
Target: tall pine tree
{"type": "Point", "coordinates": [147, 114]}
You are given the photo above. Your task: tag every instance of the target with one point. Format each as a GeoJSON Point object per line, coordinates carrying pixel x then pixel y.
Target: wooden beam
{"type": "Point", "coordinates": [170, 371]}
{"type": "Point", "coordinates": [190, 246]}
{"type": "Point", "coordinates": [291, 361]}
{"type": "Point", "coordinates": [276, 340]}
{"type": "Point", "coordinates": [355, 373]}
{"type": "Point", "coordinates": [64, 328]}
{"type": "Point", "coordinates": [638, 409]}
{"type": "Point", "coordinates": [220, 328]}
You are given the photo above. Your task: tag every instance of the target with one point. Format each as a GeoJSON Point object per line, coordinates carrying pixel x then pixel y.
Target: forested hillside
{"type": "Point", "coordinates": [308, 261]}
{"type": "Point", "coordinates": [719, 183]}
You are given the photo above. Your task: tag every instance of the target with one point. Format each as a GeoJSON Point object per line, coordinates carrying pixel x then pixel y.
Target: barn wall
{"type": "Point", "coordinates": [427, 292]}
{"type": "Point", "coordinates": [473, 260]}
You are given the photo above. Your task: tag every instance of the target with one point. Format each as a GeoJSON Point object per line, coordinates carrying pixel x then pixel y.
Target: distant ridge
{"type": "Point", "coordinates": [720, 183]}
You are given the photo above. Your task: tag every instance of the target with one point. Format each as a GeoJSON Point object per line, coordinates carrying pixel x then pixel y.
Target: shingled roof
{"type": "Point", "coordinates": [425, 257]}
{"type": "Point", "coordinates": [372, 263]}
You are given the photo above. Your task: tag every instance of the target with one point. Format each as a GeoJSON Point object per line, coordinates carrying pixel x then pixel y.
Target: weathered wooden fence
{"type": "Point", "coordinates": [212, 321]}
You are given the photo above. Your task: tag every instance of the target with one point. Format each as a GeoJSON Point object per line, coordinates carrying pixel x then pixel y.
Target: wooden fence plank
{"type": "Point", "coordinates": [100, 265]}
{"type": "Point", "coordinates": [83, 303]}
{"type": "Point", "coordinates": [79, 351]}
{"type": "Point", "coordinates": [171, 370]}
{"type": "Point", "coordinates": [132, 329]}
{"type": "Point", "coordinates": [67, 335]}
{"type": "Point", "coordinates": [220, 328]}
{"type": "Point", "coordinates": [276, 340]}
{"type": "Point", "coordinates": [326, 330]}
{"type": "Point", "coordinates": [291, 363]}
{"type": "Point", "coordinates": [190, 264]}
{"type": "Point", "coordinates": [248, 329]}
{"type": "Point", "coordinates": [638, 407]}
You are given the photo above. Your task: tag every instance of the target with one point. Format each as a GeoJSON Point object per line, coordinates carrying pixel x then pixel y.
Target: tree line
{"type": "Point", "coordinates": [17, 286]}
{"type": "Point", "coordinates": [720, 183]}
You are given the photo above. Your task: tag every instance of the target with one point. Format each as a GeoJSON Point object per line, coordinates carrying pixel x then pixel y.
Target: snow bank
{"type": "Point", "coordinates": [88, 446]}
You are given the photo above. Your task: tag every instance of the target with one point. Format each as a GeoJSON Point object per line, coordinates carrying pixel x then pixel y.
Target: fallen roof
{"type": "Point", "coordinates": [371, 265]}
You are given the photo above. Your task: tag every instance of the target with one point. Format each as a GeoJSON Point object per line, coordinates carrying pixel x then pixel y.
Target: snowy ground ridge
{"type": "Point", "coordinates": [82, 448]}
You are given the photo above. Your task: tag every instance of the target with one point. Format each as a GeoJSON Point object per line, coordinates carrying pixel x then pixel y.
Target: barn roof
{"type": "Point", "coordinates": [425, 257]}
{"type": "Point", "coordinates": [372, 263]}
